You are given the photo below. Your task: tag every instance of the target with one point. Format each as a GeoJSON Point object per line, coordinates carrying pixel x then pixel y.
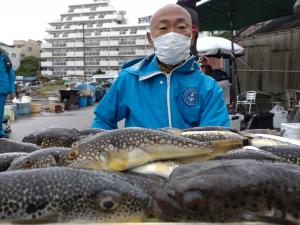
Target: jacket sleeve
{"type": "Point", "coordinates": [111, 109]}
{"type": "Point", "coordinates": [215, 112]}
{"type": "Point", "coordinates": [11, 77]}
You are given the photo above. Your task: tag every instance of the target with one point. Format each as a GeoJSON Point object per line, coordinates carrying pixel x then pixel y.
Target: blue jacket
{"type": "Point", "coordinates": [7, 76]}
{"type": "Point", "coordinates": [147, 97]}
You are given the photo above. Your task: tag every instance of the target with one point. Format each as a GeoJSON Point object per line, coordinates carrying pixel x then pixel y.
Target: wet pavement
{"type": "Point", "coordinates": [79, 118]}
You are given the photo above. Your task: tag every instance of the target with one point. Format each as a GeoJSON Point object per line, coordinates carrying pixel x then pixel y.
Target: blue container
{"type": "Point", "coordinates": [23, 109]}
{"type": "Point", "coordinates": [82, 102]}
{"type": "Point", "coordinates": [91, 100]}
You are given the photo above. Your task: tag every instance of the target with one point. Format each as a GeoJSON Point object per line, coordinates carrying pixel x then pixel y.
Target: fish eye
{"type": "Point", "coordinates": [192, 201]}
{"type": "Point", "coordinates": [75, 145]}
{"type": "Point", "coordinates": [73, 154]}
{"type": "Point", "coordinates": [27, 163]}
{"type": "Point", "coordinates": [109, 200]}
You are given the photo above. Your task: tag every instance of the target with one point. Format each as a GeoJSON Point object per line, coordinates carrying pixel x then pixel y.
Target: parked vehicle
{"type": "Point", "coordinates": [100, 78]}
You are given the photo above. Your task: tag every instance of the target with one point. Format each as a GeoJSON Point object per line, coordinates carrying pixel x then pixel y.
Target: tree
{"type": "Point", "coordinates": [99, 71]}
{"type": "Point", "coordinates": [30, 66]}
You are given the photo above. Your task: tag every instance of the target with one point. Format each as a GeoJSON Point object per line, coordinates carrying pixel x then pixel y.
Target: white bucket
{"type": "Point", "coordinates": [279, 117]}
{"type": "Point", "coordinates": [25, 99]}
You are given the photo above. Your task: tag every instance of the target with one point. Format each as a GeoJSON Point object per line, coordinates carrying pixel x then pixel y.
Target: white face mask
{"type": "Point", "coordinates": [172, 48]}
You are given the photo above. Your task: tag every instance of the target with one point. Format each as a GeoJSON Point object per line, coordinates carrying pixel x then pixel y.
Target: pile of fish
{"type": "Point", "coordinates": [209, 174]}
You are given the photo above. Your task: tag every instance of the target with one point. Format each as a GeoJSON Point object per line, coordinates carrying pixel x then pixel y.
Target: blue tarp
{"type": "Point", "coordinates": [29, 78]}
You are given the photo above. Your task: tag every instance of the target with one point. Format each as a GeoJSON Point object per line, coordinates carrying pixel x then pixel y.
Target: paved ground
{"type": "Point", "coordinates": [25, 125]}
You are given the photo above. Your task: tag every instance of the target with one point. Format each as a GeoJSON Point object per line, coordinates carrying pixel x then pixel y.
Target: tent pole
{"type": "Point", "coordinates": [234, 76]}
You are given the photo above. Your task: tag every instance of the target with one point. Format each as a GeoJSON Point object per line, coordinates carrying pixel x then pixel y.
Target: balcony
{"type": "Point", "coordinates": [104, 53]}
{"type": "Point", "coordinates": [104, 43]}
{"type": "Point", "coordinates": [47, 72]}
{"type": "Point", "coordinates": [46, 45]}
{"type": "Point", "coordinates": [74, 54]}
{"type": "Point", "coordinates": [114, 43]}
{"type": "Point", "coordinates": [86, 10]}
{"type": "Point", "coordinates": [141, 42]}
{"type": "Point", "coordinates": [127, 42]}
{"type": "Point", "coordinates": [75, 63]}
{"type": "Point", "coordinates": [46, 54]}
{"type": "Point", "coordinates": [114, 53]}
{"type": "Point", "coordinates": [75, 35]}
{"type": "Point", "coordinates": [76, 72]}
{"type": "Point", "coordinates": [109, 63]}
{"type": "Point", "coordinates": [74, 44]}
{"type": "Point", "coordinates": [46, 64]}
{"type": "Point", "coordinates": [143, 32]}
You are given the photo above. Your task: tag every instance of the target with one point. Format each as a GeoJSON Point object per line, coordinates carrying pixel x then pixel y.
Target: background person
{"type": "Point", "coordinates": [190, 6]}
{"type": "Point", "coordinates": [7, 85]}
{"type": "Point", "coordinates": [165, 89]}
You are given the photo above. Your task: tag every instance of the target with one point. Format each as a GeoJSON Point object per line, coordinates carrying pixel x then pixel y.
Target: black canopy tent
{"type": "Point", "coordinates": [217, 15]}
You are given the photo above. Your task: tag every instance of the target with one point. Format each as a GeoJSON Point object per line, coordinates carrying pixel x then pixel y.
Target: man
{"type": "Point", "coordinates": [7, 85]}
{"type": "Point", "coordinates": [165, 89]}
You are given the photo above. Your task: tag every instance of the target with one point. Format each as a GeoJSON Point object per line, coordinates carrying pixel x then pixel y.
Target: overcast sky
{"type": "Point", "coordinates": [28, 19]}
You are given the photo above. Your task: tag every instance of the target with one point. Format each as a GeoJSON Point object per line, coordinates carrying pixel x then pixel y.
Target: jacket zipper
{"type": "Point", "coordinates": [168, 99]}
{"type": "Point", "coordinates": [168, 95]}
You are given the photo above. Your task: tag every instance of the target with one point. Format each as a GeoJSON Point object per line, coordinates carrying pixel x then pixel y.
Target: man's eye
{"type": "Point", "coordinates": [162, 28]}
{"type": "Point", "coordinates": [182, 27]}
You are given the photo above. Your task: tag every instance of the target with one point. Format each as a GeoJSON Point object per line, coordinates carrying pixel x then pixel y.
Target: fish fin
{"type": "Point", "coordinates": [224, 145]}
{"type": "Point", "coordinates": [253, 216]}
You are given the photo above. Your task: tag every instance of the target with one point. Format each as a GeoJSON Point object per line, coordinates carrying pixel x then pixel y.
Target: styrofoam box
{"type": "Point", "coordinates": [291, 130]}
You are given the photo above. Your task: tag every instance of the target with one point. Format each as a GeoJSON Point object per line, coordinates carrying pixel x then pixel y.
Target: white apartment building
{"type": "Point", "coordinates": [92, 36]}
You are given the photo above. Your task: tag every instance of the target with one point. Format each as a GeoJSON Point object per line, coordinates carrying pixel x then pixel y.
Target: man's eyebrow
{"type": "Point", "coordinates": [180, 19]}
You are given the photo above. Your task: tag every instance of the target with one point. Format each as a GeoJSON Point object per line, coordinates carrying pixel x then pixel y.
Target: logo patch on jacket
{"type": "Point", "coordinates": [191, 97]}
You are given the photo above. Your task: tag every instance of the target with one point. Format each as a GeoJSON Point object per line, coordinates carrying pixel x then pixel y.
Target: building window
{"type": "Point", "coordinates": [30, 49]}
{"type": "Point", "coordinates": [133, 31]}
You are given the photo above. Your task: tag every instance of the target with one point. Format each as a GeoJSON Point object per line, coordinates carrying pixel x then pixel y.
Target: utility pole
{"type": "Point", "coordinates": [83, 37]}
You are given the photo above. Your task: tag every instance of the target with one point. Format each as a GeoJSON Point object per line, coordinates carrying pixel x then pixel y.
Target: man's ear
{"type": "Point", "coordinates": [195, 31]}
{"type": "Point", "coordinates": [150, 39]}
{"type": "Point", "coordinates": [194, 37]}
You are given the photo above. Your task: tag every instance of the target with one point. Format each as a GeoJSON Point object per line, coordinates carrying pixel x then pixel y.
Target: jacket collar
{"type": "Point", "coordinates": [148, 67]}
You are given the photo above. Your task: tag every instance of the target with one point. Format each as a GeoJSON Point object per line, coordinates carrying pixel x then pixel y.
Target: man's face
{"type": "Point", "coordinates": [170, 19]}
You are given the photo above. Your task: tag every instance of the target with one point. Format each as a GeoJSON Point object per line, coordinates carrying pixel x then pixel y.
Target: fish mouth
{"type": "Point", "coordinates": [166, 208]}
{"type": "Point", "coordinates": [167, 213]}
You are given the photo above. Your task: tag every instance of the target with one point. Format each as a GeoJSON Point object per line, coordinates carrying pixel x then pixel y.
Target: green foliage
{"type": "Point", "coordinates": [56, 83]}
{"type": "Point", "coordinates": [30, 66]}
{"type": "Point", "coordinates": [99, 71]}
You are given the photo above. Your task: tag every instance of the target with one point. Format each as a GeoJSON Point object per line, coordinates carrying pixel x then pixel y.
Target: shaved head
{"type": "Point", "coordinates": [170, 18]}
{"type": "Point", "coordinates": [171, 10]}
